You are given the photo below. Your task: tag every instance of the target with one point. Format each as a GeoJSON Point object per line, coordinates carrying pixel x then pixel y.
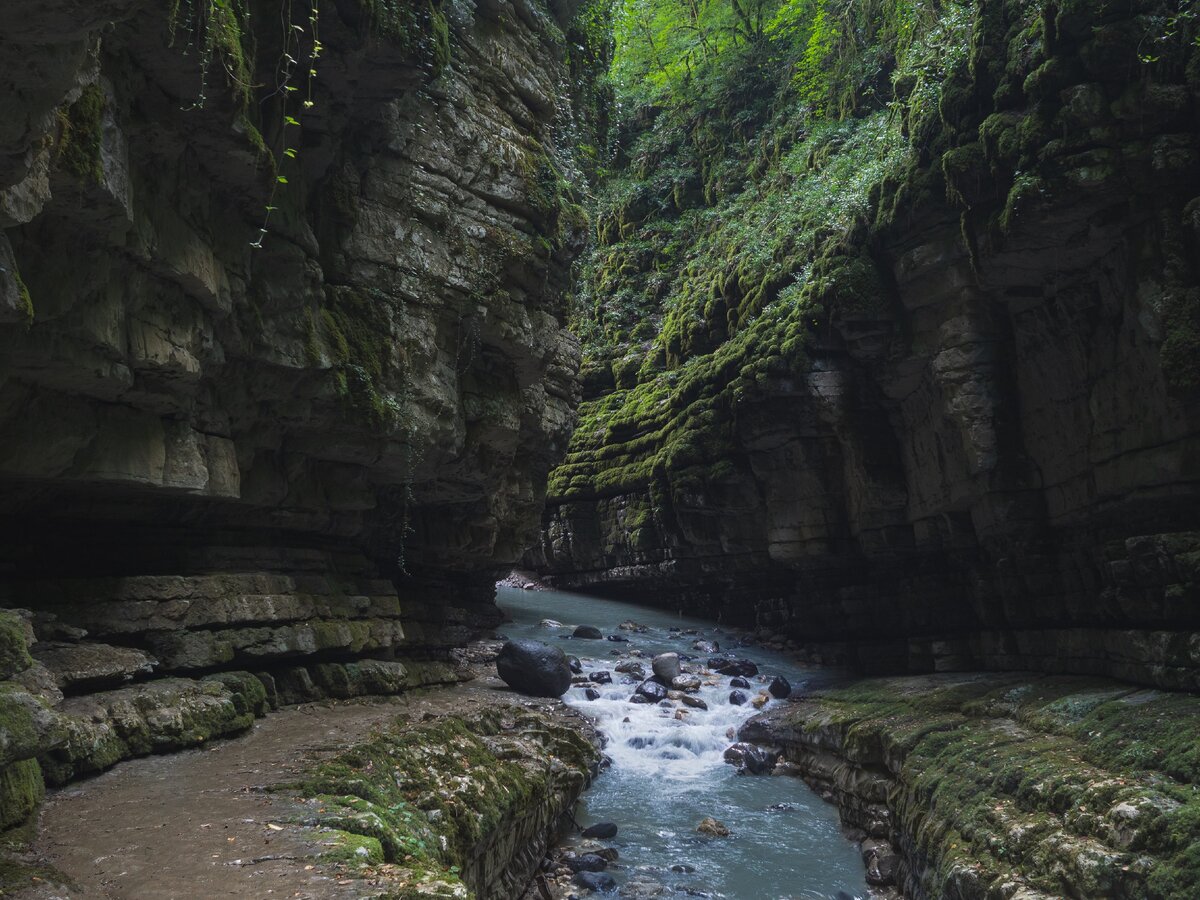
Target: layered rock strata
{"type": "Point", "coordinates": [974, 786]}
{"type": "Point", "coordinates": [986, 454]}
{"type": "Point", "coordinates": [282, 362]}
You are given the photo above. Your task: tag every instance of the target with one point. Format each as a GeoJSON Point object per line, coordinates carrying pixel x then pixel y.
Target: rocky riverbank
{"type": "Point", "coordinates": [1019, 786]}
{"type": "Point", "coordinates": [451, 792]}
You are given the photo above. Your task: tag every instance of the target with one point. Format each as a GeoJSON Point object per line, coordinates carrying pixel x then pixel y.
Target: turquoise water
{"type": "Point", "coordinates": [667, 774]}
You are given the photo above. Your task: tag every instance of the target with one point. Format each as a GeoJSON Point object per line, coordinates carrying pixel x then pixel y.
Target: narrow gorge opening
{"type": "Point", "coordinates": [859, 337]}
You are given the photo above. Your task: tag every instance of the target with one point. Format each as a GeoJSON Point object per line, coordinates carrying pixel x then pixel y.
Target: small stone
{"type": "Point", "coordinates": [618, 639]}
{"type": "Point", "coordinates": [591, 694]}
{"type": "Point", "coordinates": [550, 623]}
{"type": "Point", "coordinates": [710, 826]}
{"type": "Point", "coordinates": [761, 700]}
{"type": "Point", "coordinates": [575, 664]}
{"type": "Point", "coordinates": [683, 868]}
{"type": "Point", "coordinates": [706, 646]}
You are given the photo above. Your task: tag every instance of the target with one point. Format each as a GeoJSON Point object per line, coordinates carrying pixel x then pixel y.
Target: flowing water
{"type": "Point", "coordinates": [667, 774]}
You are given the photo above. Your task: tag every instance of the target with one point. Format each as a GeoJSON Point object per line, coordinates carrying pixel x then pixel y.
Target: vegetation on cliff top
{"type": "Point", "coordinates": [762, 152]}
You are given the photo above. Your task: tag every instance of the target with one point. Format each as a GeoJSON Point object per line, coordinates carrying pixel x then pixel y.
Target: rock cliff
{"type": "Point", "coordinates": [282, 355]}
{"type": "Point", "coordinates": [921, 391]}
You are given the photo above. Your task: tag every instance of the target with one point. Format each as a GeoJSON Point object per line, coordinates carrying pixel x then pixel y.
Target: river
{"type": "Point", "coordinates": [667, 773]}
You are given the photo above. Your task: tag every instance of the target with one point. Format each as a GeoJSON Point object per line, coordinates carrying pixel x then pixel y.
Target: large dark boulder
{"type": "Point", "coordinates": [587, 632]}
{"type": "Point", "coordinates": [780, 687]}
{"type": "Point", "coordinates": [652, 690]}
{"type": "Point", "coordinates": [532, 667]}
{"type": "Point", "coordinates": [600, 882]}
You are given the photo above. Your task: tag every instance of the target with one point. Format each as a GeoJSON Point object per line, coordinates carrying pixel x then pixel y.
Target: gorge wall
{"type": "Point", "coordinates": [283, 362]}
{"type": "Point", "coordinates": [914, 383]}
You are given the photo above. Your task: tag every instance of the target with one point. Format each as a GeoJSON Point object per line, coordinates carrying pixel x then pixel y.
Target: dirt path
{"type": "Point", "coordinates": [198, 824]}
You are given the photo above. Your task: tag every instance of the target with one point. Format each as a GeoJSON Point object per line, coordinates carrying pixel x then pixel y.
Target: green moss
{"type": "Point", "coordinates": [356, 328]}
{"type": "Point", "coordinates": [428, 795]}
{"type": "Point", "coordinates": [81, 135]}
{"type": "Point", "coordinates": [17, 876]}
{"type": "Point", "coordinates": [353, 849]}
{"type": "Point", "coordinates": [14, 649]}
{"type": "Point", "coordinates": [21, 790]}
{"type": "Point", "coordinates": [1061, 784]}
{"type": "Point", "coordinates": [418, 26]}
{"type": "Point", "coordinates": [249, 694]}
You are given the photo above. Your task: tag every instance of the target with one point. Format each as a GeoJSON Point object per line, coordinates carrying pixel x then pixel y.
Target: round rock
{"type": "Point", "coordinates": [780, 687]}
{"type": "Point", "coordinates": [532, 667]}
{"type": "Point", "coordinates": [666, 666]}
{"type": "Point", "coordinates": [587, 632]}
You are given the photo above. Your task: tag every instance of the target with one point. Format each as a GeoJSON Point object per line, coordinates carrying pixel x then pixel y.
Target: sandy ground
{"type": "Point", "coordinates": [198, 824]}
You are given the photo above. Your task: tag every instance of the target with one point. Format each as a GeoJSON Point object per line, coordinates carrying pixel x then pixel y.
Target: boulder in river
{"type": "Point", "coordinates": [780, 687]}
{"type": "Point", "coordinates": [591, 693]}
{"type": "Point", "coordinates": [618, 639]}
{"type": "Point", "coordinates": [760, 700]}
{"type": "Point", "coordinates": [585, 862]}
{"type": "Point", "coordinates": [601, 882]}
{"type": "Point", "coordinates": [575, 664]}
{"type": "Point", "coordinates": [630, 667]}
{"type": "Point", "coordinates": [601, 831]}
{"type": "Point", "coordinates": [652, 690]}
{"type": "Point", "coordinates": [587, 632]}
{"type": "Point", "coordinates": [727, 664]}
{"type": "Point", "coordinates": [666, 666]}
{"type": "Point", "coordinates": [739, 683]}
{"type": "Point", "coordinates": [601, 676]}
{"type": "Point", "coordinates": [687, 682]}
{"type": "Point", "coordinates": [636, 628]}
{"type": "Point", "coordinates": [737, 698]}
{"type": "Point", "coordinates": [706, 646]}
{"type": "Point", "coordinates": [710, 826]}
{"type": "Point", "coordinates": [550, 623]}
{"type": "Point", "coordinates": [532, 667]}
{"type": "Point", "coordinates": [751, 759]}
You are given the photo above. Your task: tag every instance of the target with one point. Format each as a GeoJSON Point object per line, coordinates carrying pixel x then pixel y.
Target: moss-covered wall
{"type": "Point", "coordinates": [1048, 787]}
{"type": "Point", "coordinates": [905, 367]}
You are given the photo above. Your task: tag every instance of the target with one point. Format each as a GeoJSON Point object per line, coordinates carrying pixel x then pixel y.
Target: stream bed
{"type": "Point", "coordinates": [669, 773]}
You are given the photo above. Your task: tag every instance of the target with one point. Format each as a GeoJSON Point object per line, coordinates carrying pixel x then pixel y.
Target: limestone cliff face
{"type": "Point", "coordinates": [990, 457]}
{"type": "Point", "coordinates": [221, 456]}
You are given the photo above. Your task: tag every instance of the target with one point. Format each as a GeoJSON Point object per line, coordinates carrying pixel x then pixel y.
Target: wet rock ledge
{"type": "Point", "coordinates": [1014, 786]}
{"type": "Point", "coordinates": [455, 792]}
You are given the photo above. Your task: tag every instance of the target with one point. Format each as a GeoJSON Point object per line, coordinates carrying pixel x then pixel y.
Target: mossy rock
{"type": "Point", "coordinates": [21, 790]}
{"type": "Point", "coordinates": [15, 638]}
{"type": "Point", "coordinates": [81, 135]}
